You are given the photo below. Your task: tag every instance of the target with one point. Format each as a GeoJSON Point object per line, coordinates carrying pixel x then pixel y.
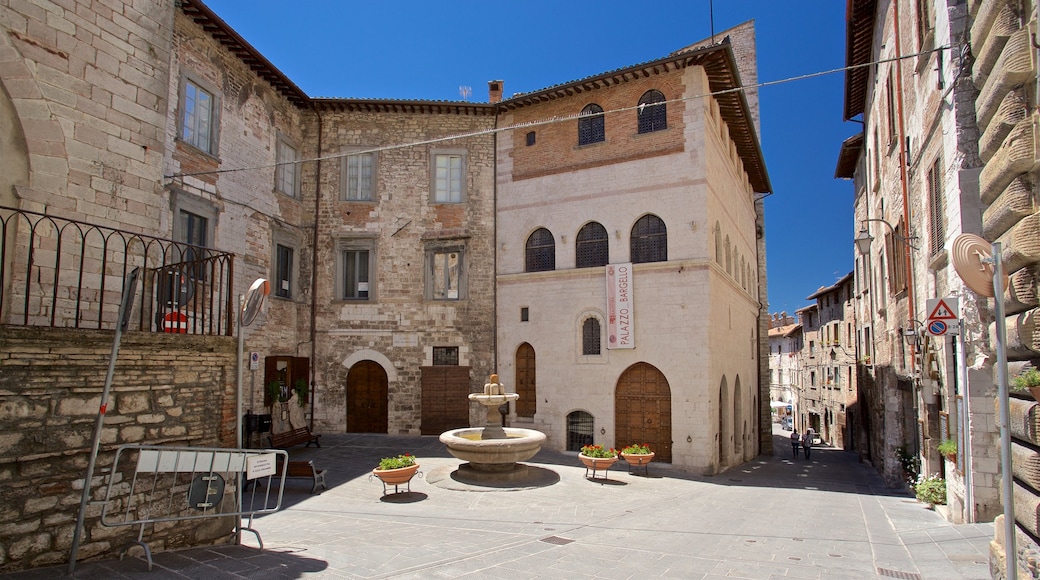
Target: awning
{"type": "Point", "coordinates": [776, 404]}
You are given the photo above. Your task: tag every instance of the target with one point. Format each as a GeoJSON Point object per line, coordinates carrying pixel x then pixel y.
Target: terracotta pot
{"type": "Point", "coordinates": [638, 459]}
{"type": "Point", "coordinates": [951, 457]}
{"type": "Point", "coordinates": [396, 476]}
{"type": "Point", "coordinates": [1035, 391]}
{"type": "Point", "coordinates": [598, 463]}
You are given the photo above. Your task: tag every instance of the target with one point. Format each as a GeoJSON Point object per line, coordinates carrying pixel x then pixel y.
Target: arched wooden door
{"type": "Point", "coordinates": [643, 410]}
{"type": "Point", "coordinates": [366, 398]}
{"type": "Point", "coordinates": [527, 404]}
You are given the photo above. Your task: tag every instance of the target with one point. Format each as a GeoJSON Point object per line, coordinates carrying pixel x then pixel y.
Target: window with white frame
{"type": "Point", "coordinates": [198, 116]}
{"type": "Point", "coordinates": [286, 170]}
{"type": "Point", "coordinates": [449, 177]}
{"type": "Point", "coordinates": [356, 263]}
{"type": "Point", "coordinates": [446, 274]}
{"type": "Point", "coordinates": [195, 221]}
{"type": "Point", "coordinates": [359, 177]}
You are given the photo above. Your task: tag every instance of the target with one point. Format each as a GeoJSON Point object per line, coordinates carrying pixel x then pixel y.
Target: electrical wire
{"type": "Point", "coordinates": [558, 119]}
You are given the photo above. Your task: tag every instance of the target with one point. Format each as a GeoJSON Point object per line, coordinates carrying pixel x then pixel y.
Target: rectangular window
{"type": "Point", "coordinates": [895, 244]}
{"type": "Point", "coordinates": [197, 118]}
{"type": "Point", "coordinates": [447, 179]}
{"type": "Point", "coordinates": [525, 314]}
{"type": "Point", "coordinates": [445, 356]}
{"type": "Point", "coordinates": [359, 182]}
{"type": "Point", "coordinates": [891, 106]}
{"type": "Point", "coordinates": [936, 209]}
{"type": "Point", "coordinates": [286, 170]}
{"type": "Point", "coordinates": [355, 274]}
{"type": "Point", "coordinates": [283, 272]}
{"type": "Point", "coordinates": [445, 280]}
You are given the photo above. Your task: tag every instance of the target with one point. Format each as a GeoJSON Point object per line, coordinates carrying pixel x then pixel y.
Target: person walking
{"type": "Point", "coordinates": [807, 441]}
{"type": "Point", "coordinates": [796, 442]}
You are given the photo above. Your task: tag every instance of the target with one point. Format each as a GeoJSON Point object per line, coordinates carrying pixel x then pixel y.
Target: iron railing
{"type": "Point", "coordinates": [65, 273]}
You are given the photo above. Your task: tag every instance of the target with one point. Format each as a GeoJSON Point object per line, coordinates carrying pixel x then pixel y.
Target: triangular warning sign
{"type": "Point", "coordinates": [942, 312]}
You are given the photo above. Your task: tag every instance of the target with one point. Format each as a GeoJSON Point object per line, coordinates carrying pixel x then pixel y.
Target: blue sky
{"type": "Point", "coordinates": [412, 49]}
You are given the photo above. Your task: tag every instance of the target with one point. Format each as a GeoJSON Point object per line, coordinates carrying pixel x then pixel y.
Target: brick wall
{"type": "Point", "coordinates": [167, 389]}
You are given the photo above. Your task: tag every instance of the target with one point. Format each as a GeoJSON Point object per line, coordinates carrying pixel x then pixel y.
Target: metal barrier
{"type": "Point", "coordinates": [168, 484]}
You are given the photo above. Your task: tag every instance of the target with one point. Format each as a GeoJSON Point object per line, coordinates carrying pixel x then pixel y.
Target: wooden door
{"type": "Point", "coordinates": [643, 410]}
{"type": "Point", "coordinates": [367, 398]}
{"type": "Point", "coordinates": [527, 404]}
{"type": "Point", "coordinates": [445, 399]}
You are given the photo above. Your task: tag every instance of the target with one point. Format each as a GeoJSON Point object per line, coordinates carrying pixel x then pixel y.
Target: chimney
{"type": "Point", "coordinates": [495, 91]}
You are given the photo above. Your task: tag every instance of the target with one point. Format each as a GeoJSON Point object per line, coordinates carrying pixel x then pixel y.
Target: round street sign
{"type": "Point", "coordinates": [937, 327]}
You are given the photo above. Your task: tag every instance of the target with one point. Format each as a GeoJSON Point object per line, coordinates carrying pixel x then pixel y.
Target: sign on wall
{"type": "Point", "coordinates": [620, 319]}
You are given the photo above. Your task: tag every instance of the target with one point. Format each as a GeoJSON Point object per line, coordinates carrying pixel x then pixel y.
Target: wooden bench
{"type": "Point", "coordinates": [306, 469]}
{"type": "Point", "coordinates": [295, 437]}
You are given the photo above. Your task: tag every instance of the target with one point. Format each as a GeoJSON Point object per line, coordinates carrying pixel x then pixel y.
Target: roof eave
{"type": "Point", "coordinates": [859, 40]}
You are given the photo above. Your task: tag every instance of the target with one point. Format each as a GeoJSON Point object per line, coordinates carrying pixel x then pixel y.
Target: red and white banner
{"type": "Point", "coordinates": [620, 321]}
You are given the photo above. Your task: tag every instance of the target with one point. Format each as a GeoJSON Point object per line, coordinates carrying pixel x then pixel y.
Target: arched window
{"type": "Point", "coordinates": [718, 244]}
{"type": "Point", "coordinates": [591, 246]}
{"type": "Point", "coordinates": [579, 430]}
{"type": "Point", "coordinates": [653, 114]}
{"type": "Point", "coordinates": [729, 258]}
{"type": "Point", "coordinates": [591, 126]}
{"type": "Point", "coordinates": [541, 252]}
{"type": "Point", "coordinates": [590, 336]}
{"type": "Point", "coordinates": [649, 240]}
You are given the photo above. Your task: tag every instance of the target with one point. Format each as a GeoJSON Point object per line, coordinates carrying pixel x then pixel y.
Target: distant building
{"type": "Point", "coordinates": [785, 346]}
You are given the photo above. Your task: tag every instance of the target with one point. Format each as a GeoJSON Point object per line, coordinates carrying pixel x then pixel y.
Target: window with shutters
{"type": "Point", "coordinates": [936, 209]}
{"type": "Point", "coordinates": [591, 246]}
{"type": "Point", "coordinates": [652, 112]}
{"type": "Point", "coordinates": [649, 240]}
{"type": "Point", "coordinates": [540, 252]}
{"type": "Point", "coordinates": [895, 247]}
{"type": "Point", "coordinates": [591, 125]}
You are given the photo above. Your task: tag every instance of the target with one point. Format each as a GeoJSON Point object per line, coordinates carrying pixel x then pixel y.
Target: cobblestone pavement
{"type": "Point", "coordinates": [830, 518]}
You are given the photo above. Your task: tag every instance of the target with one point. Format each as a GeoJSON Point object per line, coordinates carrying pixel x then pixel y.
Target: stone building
{"type": "Point", "coordinates": [828, 398]}
{"type": "Point", "coordinates": [785, 347]}
{"type": "Point", "coordinates": [629, 265]}
{"type": "Point", "coordinates": [156, 137]}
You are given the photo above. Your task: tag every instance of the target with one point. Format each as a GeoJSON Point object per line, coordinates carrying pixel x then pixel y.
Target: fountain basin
{"type": "Point", "coordinates": [493, 454]}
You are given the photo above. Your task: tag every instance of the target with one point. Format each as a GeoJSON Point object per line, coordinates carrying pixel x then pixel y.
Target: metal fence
{"type": "Point", "coordinates": [152, 484]}
{"type": "Point", "coordinates": [65, 273]}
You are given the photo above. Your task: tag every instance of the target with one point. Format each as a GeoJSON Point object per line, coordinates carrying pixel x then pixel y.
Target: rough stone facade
{"type": "Point", "coordinates": [166, 390]}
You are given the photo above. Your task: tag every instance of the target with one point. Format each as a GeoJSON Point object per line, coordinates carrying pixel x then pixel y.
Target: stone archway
{"type": "Point", "coordinates": [725, 424]}
{"type": "Point", "coordinates": [738, 420]}
{"type": "Point", "coordinates": [643, 410]}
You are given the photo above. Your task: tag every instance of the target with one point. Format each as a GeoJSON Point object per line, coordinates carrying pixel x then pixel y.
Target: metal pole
{"type": "Point", "coordinates": [962, 370]}
{"type": "Point", "coordinates": [1010, 552]}
{"type": "Point", "coordinates": [238, 413]}
{"type": "Point", "coordinates": [129, 289]}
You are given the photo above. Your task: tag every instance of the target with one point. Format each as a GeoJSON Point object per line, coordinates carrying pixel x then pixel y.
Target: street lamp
{"type": "Point", "coordinates": [863, 239]}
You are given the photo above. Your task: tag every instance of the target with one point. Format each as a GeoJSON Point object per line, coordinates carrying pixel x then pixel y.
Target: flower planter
{"type": "Point", "coordinates": [597, 463]}
{"type": "Point", "coordinates": [396, 477]}
{"type": "Point", "coordinates": [638, 460]}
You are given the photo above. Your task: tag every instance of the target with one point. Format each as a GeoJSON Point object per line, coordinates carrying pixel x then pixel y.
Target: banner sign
{"type": "Point", "coordinates": [620, 321]}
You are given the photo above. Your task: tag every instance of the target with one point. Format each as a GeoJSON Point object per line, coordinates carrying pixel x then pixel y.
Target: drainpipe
{"type": "Point", "coordinates": [314, 269]}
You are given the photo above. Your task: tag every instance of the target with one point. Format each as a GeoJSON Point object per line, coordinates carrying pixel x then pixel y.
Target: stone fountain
{"type": "Point", "coordinates": [493, 451]}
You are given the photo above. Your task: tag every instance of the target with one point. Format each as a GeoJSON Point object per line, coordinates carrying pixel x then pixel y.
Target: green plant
{"type": "Point", "coordinates": [1026, 379]}
{"type": "Point", "coordinates": [300, 386]}
{"type": "Point", "coordinates": [637, 449]}
{"type": "Point", "coordinates": [598, 451]}
{"type": "Point", "coordinates": [931, 489]}
{"type": "Point", "coordinates": [948, 447]}
{"type": "Point", "coordinates": [910, 463]}
{"type": "Point", "coordinates": [403, 460]}
{"type": "Point", "coordinates": [275, 394]}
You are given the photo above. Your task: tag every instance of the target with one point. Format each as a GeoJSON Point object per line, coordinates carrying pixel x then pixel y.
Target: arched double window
{"type": "Point", "coordinates": [591, 246]}
{"type": "Point", "coordinates": [540, 255]}
{"type": "Point", "coordinates": [652, 111]}
{"type": "Point", "coordinates": [649, 240]}
{"type": "Point", "coordinates": [591, 125]}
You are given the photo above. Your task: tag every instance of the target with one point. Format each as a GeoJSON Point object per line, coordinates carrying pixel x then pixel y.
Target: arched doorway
{"type": "Point", "coordinates": [738, 422]}
{"type": "Point", "coordinates": [366, 398]}
{"type": "Point", "coordinates": [527, 404]}
{"type": "Point", "coordinates": [643, 410]}
{"type": "Point", "coordinates": [725, 425]}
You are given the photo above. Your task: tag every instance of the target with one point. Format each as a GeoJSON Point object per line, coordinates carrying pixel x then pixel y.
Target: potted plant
{"type": "Point", "coordinates": [597, 457]}
{"type": "Point", "coordinates": [1027, 381]}
{"type": "Point", "coordinates": [396, 470]}
{"type": "Point", "coordinates": [948, 448]}
{"type": "Point", "coordinates": [931, 490]}
{"type": "Point", "coordinates": [637, 454]}
{"type": "Point", "coordinates": [300, 388]}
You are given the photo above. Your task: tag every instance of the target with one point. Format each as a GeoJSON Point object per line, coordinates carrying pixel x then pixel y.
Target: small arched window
{"type": "Point", "coordinates": [649, 240]}
{"type": "Point", "coordinates": [579, 430]}
{"type": "Point", "coordinates": [718, 244]}
{"type": "Point", "coordinates": [591, 126]}
{"type": "Point", "coordinates": [541, 252]}
{"type": "Point", "coordinates": [653, 114]}
{"type": "Point", "coordinates": [590, 336]}
{"type": "Point", "coordinates": [729, 258]}
{"type": "Point", "coordinates": [591, 246]}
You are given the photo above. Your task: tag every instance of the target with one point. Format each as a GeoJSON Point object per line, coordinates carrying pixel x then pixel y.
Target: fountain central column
{"type": "Point", "coordinates": [492, 398]}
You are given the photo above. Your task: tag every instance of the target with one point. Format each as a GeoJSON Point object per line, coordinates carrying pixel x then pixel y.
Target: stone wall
{"type": "Point", "coordinates": [167, 389]}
